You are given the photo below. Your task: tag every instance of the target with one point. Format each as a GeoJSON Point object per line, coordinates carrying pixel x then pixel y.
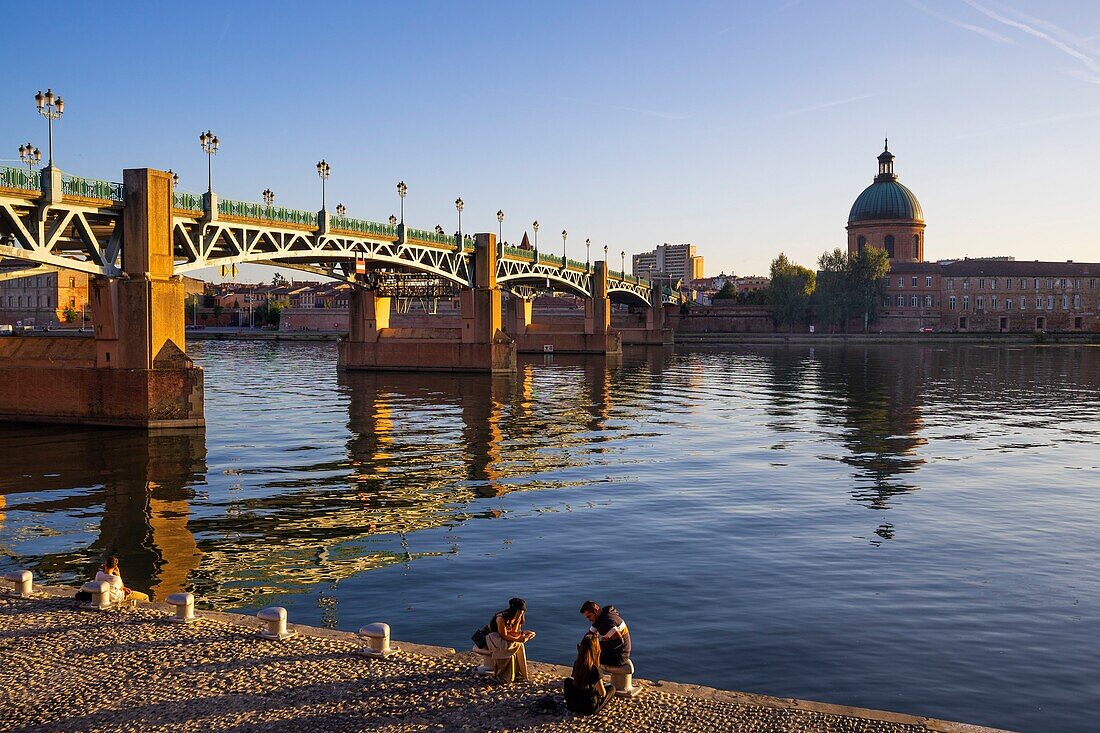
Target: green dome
{"type": "Point", "coordinates": [885, 199]}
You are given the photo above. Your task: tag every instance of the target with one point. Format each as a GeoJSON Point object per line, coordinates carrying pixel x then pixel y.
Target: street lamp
{"type": "Point", "coordinates": [30, 155]}
{"type": "Point", "coordinates": [51, 107]}
{"type": "Point", "coordinates": [535, 226]}
{"type": "Point", "coordinates": [175, 178]}
{"type": "Point", "coordinates": [402, 189]}
{"type": "Point", "coordinates": [393, 220]}
{"type": "Point", "coordinates": [438, 229]}
{"type": "Point", "coordinates": [323, 169]}
{"type": "Point", "coordinates": [605, 258]}
{"type": "Point", "coordinates": [564, 236]}
{"type": "Point", "coordinates": [341, 209]}
{"type": "Point", "coordinates": [269, 196]}
{"type": "Point", "coordinates": [500, 226]}
{"type": "Point", "coordinates": [209, 143]}
{"type": "Point", "coordinates": [588, 254]}
{"type": "Point", "coordinates": [459, 206]}
{"type": "Point", "coordinates": [623, 271]}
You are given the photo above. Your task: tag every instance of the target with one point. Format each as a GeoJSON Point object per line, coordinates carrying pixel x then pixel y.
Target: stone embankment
{"type": "Point", "coordinates": [63, 668]}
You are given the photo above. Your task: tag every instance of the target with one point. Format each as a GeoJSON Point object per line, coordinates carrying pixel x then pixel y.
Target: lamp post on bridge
{"type": "Point", "coordinates": [402, 190]}
{"type": "Point", "coordinates": [459, 206]}
{"type": "Point", "coordinates": [605, 258]}
{"type": "Point", "coordinates": [269, 197]}
{"type": "Point", "coordinates": [588, 255]}
{"type": "Point", "coordinates": [623, 271]}
{"type": "Point", "coordinates": [393, 220]}
{"type": "Point", "coordinates": [500, 227]}
{"type": "Point", "coordinates": [535, 226]}
{"type": "Point", "coordinates": [30, 155]}
{"type": "Point", "coordinates": [51, 107]}
{"type": "Point", "coordinates": [209, 143]}
{"type": "Point", "coordinates": [175, 178]}
{"type": "Point", "coordinates": [564, 236]}
{"type": "Point", "coordinates": [341, 210]}
{"type": "Point", "coordinates": [323, 170]}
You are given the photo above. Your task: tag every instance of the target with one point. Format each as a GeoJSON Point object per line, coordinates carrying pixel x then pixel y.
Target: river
{"type": "Point", "coordinates": [905, 527]}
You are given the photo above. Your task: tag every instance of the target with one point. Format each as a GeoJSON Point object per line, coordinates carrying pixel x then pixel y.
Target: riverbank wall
{"type": "Point", "coordinates": [130, 668]}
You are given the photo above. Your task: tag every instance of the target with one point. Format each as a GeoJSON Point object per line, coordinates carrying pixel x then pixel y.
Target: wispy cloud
{"type": "Point", "coordinates": [1046, 31]}
{"type": "Point", "coordinates": [1034, 122]}
{"type": "Point", "coordinates": [820, 106]}
{"type": "Point", "coordinates": [984, 32]}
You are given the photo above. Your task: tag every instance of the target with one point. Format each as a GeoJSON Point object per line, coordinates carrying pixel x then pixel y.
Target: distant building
{"type": "Point", "coordinates": [676, 261]}
{"type": "Point", "coordinates": [44, 299]}
{"type": "Point", "coordinates": [993, 294]}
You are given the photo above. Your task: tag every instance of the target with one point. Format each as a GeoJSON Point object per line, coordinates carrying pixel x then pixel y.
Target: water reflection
{"type": "Point", "coordinates": [140, 484]}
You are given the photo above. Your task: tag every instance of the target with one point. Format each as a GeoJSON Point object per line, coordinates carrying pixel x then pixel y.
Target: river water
{"type": "Point", "coordinates": [901, 527]}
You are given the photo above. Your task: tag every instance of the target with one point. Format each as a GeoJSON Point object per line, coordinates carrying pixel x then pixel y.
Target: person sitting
{"type": "Point", "coordinates": [614, 636]}
{"type": "Point", "coordinates": [504, 637]}
{"type": "Point", "coordinates": [585, 692]}
{"type": "Point", "coordinates": [109, 573]}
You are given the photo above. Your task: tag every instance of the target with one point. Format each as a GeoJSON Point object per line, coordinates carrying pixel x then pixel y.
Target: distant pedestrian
{"type": "Point", "coordinates": [504, 637]}
{"type": "Point", "coordinates": [612, 632]}
{"type": "Point", "coordinates": [585, 692]}
{"type": "Point", "coordinates": [110, 574]}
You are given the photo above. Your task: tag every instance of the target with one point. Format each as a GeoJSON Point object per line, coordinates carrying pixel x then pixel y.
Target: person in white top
{"type": "Point", "coordinates": [109, 573]}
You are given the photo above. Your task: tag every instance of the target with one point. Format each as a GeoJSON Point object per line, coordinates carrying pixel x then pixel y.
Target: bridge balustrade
{"type": "Point", "coordinates": [187, 201]}
{"type": "Point", "coordinates": [362, 226]}
{"type": "Point", "coordinates": [18, 178]}
{"type": "Point", "coordinates": [91, 188]}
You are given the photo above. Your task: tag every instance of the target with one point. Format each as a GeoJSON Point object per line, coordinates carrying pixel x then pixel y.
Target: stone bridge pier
{"type": "Point", "coordinates": [568, 336]}
{"type": "Point", "coordinates": [651, 328]}
{"type": "Point", "coordinates": [478, 345]}
{"type": "Point", "coordinates": [134, 372]}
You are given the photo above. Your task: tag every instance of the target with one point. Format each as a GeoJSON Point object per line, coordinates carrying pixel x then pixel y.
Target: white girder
{"type": "Point", "coordinates": [523, 272]}
{"type": "Point", "coordinates": [69, 236]}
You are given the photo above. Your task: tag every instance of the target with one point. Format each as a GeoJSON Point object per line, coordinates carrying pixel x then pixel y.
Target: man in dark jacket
{"type": "Point", "coordinates": [614, 635]}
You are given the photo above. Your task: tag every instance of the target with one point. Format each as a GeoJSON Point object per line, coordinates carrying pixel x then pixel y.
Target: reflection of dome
{"type": "Point", "coordinates": [886, 198]}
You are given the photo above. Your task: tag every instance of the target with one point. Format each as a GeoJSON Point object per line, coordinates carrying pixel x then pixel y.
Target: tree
{"type": "Point", "coordinates": [869, 270]}
{"type": "Point", "coordinates": [834, 298]}
{"type": "Point", "coordinates": [70, 314]}
{"type": "Point", "coordinates": [728, 291]}
{"type": "Point", "coordinates": [278, 281]}
{"type": "Point", "coordinates": [269, 313]}
{"type": "Point", "coordinates": [218, 309]}
{"type": "Point", "coordinates": [790, 290]}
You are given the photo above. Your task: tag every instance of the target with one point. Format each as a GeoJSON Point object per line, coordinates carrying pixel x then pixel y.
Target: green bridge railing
{"type": "Point", "coordinates": [362, 226]}
{"type": "Point", "coordinates": [26, 180]}
{"type": "Point", "coordinates": [91, 188]}
{"type": "Point", "coordinates": [186, 201]}
{"type": "Point", "coordinates": [515, 253]}
{"type": "Point", "coordinates": [426, 236]}
{"type": "Point", "coordinates": [264, 212]}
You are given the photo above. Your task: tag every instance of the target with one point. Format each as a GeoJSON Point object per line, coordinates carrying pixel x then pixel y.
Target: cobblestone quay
{"type": "Point", "coordinates": [129, 669]}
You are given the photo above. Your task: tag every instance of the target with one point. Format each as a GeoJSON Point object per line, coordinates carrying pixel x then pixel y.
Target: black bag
{"type": "Point", "coordinates": [82, 597]}
{"type": "Point", "coordinates": [479, 638]}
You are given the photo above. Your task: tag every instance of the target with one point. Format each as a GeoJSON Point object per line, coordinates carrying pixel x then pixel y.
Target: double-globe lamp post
{"type": "Point", "coordinates": [535, 226]}
{"type": "Point", "coordinates": [209, 143]}
{"type": "Point", "coordinates": [402, 190]}
{"type": "Point", "coordinates": [30, 155]}
{"type": "Point", "coordinates": [588, 254]}
{"type": "Point", "coordinates": [564, 236]}
{"type": "Point", "coordinates": [323, 170]}
{"type": "Point", "coordinates": [51, 107]}
{"type": "Point", "coordinates": [269, 196]}
{"type": "Point", "coordinates": [459, 206]}
{"type": "Point", "coordinates": [500, 227]}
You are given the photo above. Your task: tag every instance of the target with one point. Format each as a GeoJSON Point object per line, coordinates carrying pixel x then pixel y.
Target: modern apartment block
{"type": "Point", "coordinates": [677, 261]}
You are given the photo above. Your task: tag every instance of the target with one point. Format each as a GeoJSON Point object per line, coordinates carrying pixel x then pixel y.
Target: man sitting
{"type": "Point", "coordinates": [111, 575]}
{"type": "Point", "coordinates": [614, 636]}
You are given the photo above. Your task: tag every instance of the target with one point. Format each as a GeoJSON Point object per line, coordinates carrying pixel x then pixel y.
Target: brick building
{"type": "Point", "coordinates": [43, 299]}
{"type": "Point", "coordinates": [998, 294]}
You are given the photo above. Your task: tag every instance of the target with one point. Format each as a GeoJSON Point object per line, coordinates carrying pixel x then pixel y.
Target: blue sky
{"type": "Point", "coordinates": [744, 127]}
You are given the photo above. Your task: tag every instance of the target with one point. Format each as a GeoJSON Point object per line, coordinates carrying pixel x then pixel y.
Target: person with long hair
{"type": "Point", "coordinates": [585, 692]}
{"type": "Point", "coordinates": [505, 638]}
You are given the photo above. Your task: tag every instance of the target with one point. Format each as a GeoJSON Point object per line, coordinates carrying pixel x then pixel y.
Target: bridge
{"type": "Point", "coordinates": [136, 237]}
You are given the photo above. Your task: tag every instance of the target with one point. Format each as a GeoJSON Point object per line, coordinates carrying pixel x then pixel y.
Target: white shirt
{"type": "Point", "coordinates": [115, 581]}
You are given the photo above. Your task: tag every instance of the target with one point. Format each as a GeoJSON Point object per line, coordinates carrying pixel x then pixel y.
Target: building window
{"type": "Point", "coordinates": [1065, 302]}
{"type": "Point", "coordinates": [993, 302]}
{"type": "Point", "coordinates": [913, 301]}
{"type": "Point", "coordinates": [1009, 302]}
{"type": "Point", "coordinates": [20, 301]}
{"type": "Point", "coordinates": [1050, 302]}
{"type": "Point", "coordinates": [861, 243]}
{"type": "Point", "coordinates": [1023, 303]}
{"type": "Point", "coordinates": [966, 283]}
{"type": "Point", "coordinates": [72, 302]}
{"type": "Point", "coordinates": [1040, 323]}
{"type": "Point", "coordinates": [1076, 284]}
{"type": "Point", "coordinates": [1062, 283]}
{"type": "Point", "coordinates": [901, 282]}
{"type": "Point", "coordinates": [962, 323]}
{"type": "Point", "coordinates": [1076, 301]}
{"type": "Point", "coordinates": [1008, 283]}
{"type": "Point", "coordinates": [966, 302]}
{"type": "Point", "coordinates": [72, 282]}
{"type": "Point", "coordinates": [916, 247]}
{"type": "Point", "coordinates": [1077, 323]}
{"type": "Point", "coordinates": [980, 304]}
{"type": "Point", "coordinates": [887, 301]}
{"type": "Point", "coordinates": [993, 284]}
{"type": "Point", "coordinates": [913, 281]}
{"type": "Point", "coordinates": [889, 241]}
{"type": "Point", "coordinates": [1092, 283]}
{"type": "Point", "coordinates": [950, 283]}
{"type": "Point", "coordinates": [928, 301]}
{"type": "Point", "coordinates": [981, 283]}
{"type": "Point", "coordinates": [47, 301]}
{"type": "Point", "coordinates": [1036, 283]}
{"type": "Point", "coordinates": [901, 301]}
{"type": "Point", "coordinates": [886, 281]}
{"type": "Point", "coordinates": [1050, 283]}
{"type": "Point", "coordinates": [927, 281]}
{"type": "Point", "coordinates": [952, 302]}
{"type": "Point", "coordinates": [1038, 302]}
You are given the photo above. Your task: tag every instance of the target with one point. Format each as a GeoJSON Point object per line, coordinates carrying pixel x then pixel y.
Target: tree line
{"type": "Point", "coordinates": [846, 287]}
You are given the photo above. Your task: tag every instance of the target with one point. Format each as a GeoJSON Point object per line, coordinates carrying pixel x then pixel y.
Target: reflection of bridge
{"type": "Point", "coordinates": [136, 236]}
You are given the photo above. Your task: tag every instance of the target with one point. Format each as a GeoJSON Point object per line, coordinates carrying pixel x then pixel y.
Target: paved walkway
{"type": "Point", "coordinates": [66, 669]}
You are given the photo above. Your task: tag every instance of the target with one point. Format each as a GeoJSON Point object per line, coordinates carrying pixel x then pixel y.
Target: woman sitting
{"type": "Point", "coordinates": [504, 637]}
{"type": "Point", "coordinates": [109, 573]}
{"type": "Point", "coordinates": [585, 692]}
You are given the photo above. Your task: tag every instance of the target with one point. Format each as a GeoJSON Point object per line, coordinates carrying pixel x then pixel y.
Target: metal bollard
{"type": "Point", "coordinates": [101, 594]}
{"type": "Point", "coordinates": [275, 619]}
{"type": "Point", "coordinates": [485, 660]}
{"type": "Point", "coordinates": [622, 679]}
{"type": "Point", "coordinates": [378, 640]}
{"type": "Point", "coordinates": [24, 582]}
{"type": "Point", "coordinates": [185, 607]}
